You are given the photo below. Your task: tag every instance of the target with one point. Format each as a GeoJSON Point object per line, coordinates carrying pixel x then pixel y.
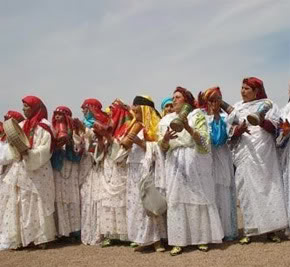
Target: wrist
{"type": "Point", "coordinates": [164, 145]}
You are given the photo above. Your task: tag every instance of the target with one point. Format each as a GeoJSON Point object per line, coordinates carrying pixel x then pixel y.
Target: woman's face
{"type": "Point", "coordinates": [168, 108]}
{"type": "Point", "coordinates": [59, 117]}
{"type": "Point", "coordinates": [136, 109]}
{"type": "Point", "coordinates": [178, 101]}
{"type": "Point", "coordinates": [27, 111]}
{"type": "Point", "coordinates": [85, 111]}
{"type": "Point", "coordinates": [214, 104]}
{"type": "Point", "coordinates": [248, 94]}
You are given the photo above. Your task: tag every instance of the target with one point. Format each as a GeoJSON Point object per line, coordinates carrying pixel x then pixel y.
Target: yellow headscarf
{"type": "Point", "coordinates": [150, 120]}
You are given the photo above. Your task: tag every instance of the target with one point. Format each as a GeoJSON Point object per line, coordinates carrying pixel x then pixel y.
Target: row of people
{"type": "Point", "coordinates": [89, 176]}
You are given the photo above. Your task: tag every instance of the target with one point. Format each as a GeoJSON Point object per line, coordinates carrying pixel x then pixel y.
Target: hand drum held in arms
{"type": "Point", "coordinates": [255, 118]}
{"type": "Point", "coordinates": [15, 135]}
{"type": "Point", "coordinates": [177, 124]}
{"type": "Point", "coordinates": [128, 139]}
{"type": "Point", "coordinates": [226, 107]}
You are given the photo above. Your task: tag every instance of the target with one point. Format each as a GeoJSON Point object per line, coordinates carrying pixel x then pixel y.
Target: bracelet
{"type": "Point", "coordinates": [164, 145]}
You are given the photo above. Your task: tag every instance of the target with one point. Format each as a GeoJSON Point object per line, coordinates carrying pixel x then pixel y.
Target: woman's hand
{"type": "Point", "coordinates": [285, 126]}
{"type": "Point", "coordinates": [170, 134]}
{"type": "Point", "coordinates": [139, 142]}
{"type": "Point", "coordinates": [241, 128]}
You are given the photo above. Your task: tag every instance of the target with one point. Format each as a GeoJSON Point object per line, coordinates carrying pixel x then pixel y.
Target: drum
{"type": "Point", "coordinates": [177, 124]}
{"type": "Point", "coordinates": [255, 118]}
{"type": "Point", "coordinates": [128, 139]}
{"type": "Point", "coordinates": [15, 135]}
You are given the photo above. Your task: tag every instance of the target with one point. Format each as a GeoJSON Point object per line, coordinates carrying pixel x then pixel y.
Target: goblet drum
{"type": "Point", "coordinates": [128, 139]}
{"type": "Point", "coordinates": [177, 124]}
{"type": "Point", "coordinates": [226, 107]}
{"type": "Point", "coordinates": [255, 118]}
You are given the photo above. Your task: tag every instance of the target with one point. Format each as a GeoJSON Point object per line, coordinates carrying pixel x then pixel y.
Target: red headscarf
{"type": "Point", "coordinates": [15, 115]}
{"type": "Point", "coordinates": [95, 107]}
{"type": "Point", "coordinates": [187, 96]}
{"type": "Point", "coordinates": [121, 117]}
{"type": "Point", "coordinates": [2, 133]}
{"type": "Point", "coordinates": [66, 112]}
{"type": "Point", "coordinates": [39, 112]}
{"type": "Point", "coordinates": [11, 114]}
{"type": "Point", "coordinates": [256, 84]}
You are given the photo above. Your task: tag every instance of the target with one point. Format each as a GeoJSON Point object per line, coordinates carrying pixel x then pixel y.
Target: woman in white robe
{"type": "Point", "coordinates": [258, 175]}
{"type": "Point", "coordinates": [284, 153]}
{"type": "Point", "coordinates": [192, 215]}
{"type": "Point", "coordinates": [113, 184]}
{"type": "Point", "coordinates": [223, 169]}
{"type": "Point", "coordinates": [143, 229]}
{"type": "Point", "coordinates": [91, 171]}
{"type": "Point", "coordinates": [65, 162]}
{"type": "Point", "coordinates": [30, 206]}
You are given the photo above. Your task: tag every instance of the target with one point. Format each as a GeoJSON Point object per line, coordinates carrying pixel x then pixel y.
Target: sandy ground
{"type": "Point", "coordinates": [259, 253]}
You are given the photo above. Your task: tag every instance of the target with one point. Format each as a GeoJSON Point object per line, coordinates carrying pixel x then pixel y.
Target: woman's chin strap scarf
{"type": "Point", "coordinates": [39, 112]}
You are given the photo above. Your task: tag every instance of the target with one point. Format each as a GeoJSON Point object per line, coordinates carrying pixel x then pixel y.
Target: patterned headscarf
{"type": "Point", "coordinates": [39, 112]}
{"type": "Point", "coordinates": [95, 113]}
{"type": "Point", "coordinates": [205, 96]}
{"type": "Point", "coordinates": [256, 84]}
{"type": "Point", "coordinates": [189, 99]}
{"type": "Point", "coordinates": [66, 112]}
{"type": "Point", "coordinates": [15, 115]}
{"type": "Point", "coordinates": [121, 118]}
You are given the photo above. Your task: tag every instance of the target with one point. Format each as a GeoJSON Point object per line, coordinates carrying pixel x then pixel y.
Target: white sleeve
{"type": "Point", "coordinates": [6, 154]}
{"type": "Point", "coordinates": [40, 153]}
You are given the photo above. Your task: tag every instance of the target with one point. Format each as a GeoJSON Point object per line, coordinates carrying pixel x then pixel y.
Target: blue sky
{"type": "Point", "coordinates": [66, 51]}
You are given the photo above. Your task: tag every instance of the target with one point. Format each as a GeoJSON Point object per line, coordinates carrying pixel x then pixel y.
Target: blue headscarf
{"type": "Point", "coordinates": [89, 120]}
{"type": "Point", "coordinates": [219, 134]}
{"type": "Point", "coordinates": [165, 101]}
